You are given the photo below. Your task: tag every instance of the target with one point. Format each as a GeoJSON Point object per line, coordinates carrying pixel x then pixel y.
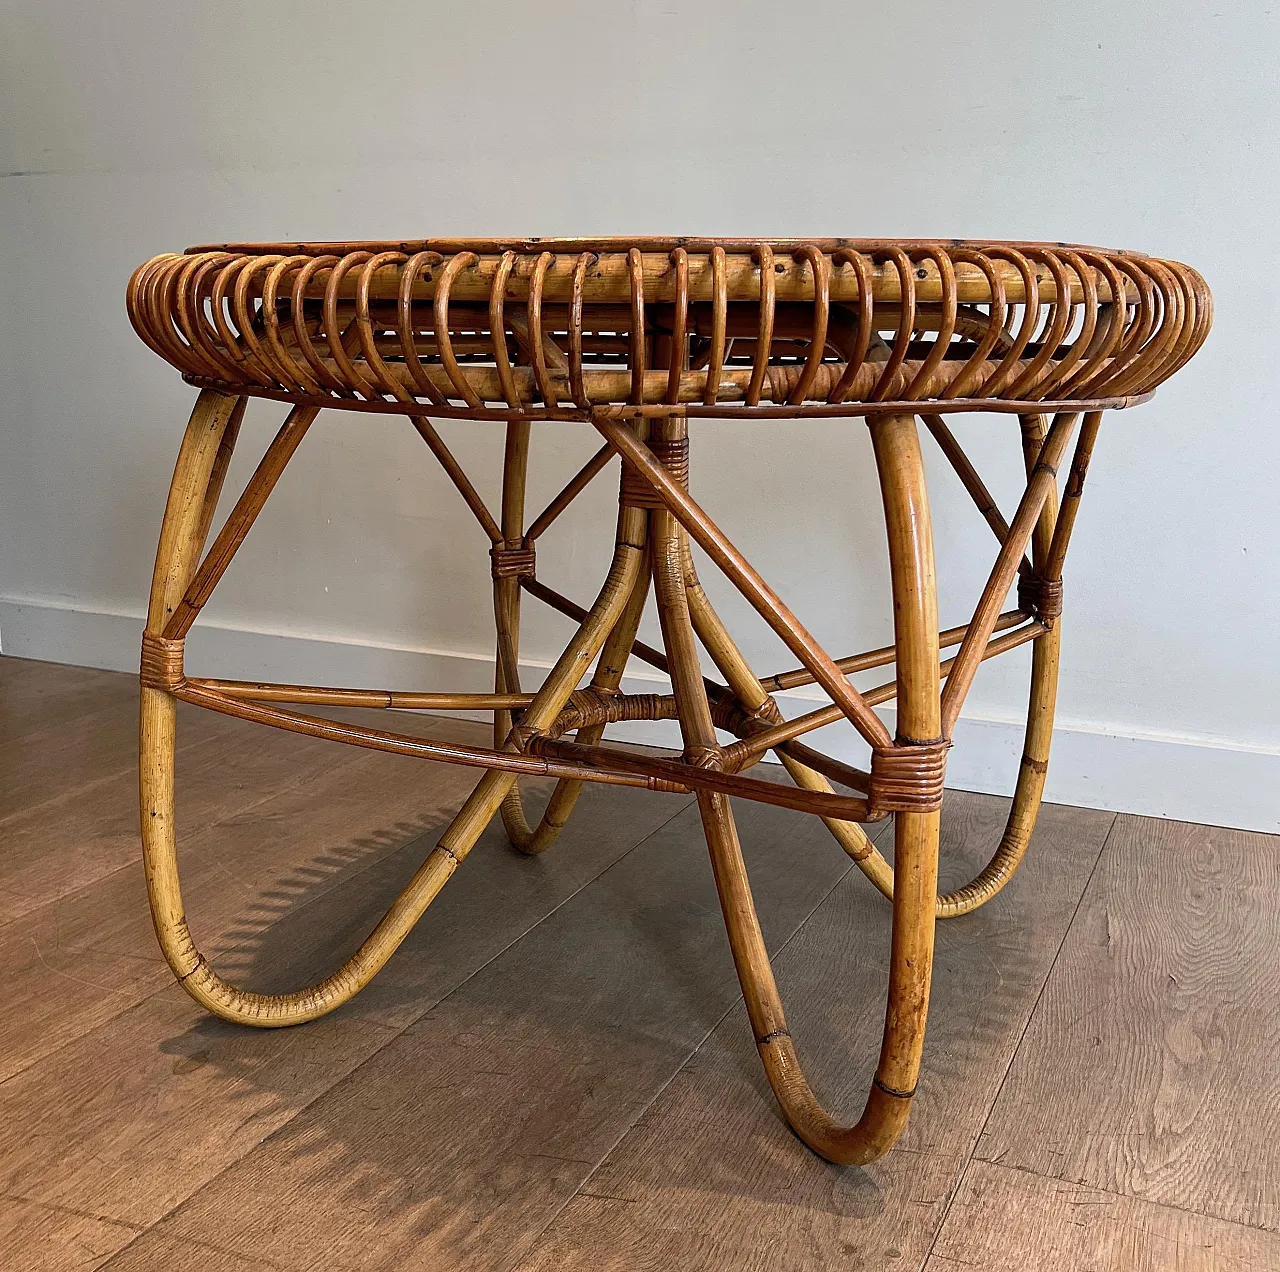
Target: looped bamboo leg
{"type": "Point", "coordinates": [911, 558]}
{"type": "Point", "coordinates": [1033, 767]}
{"type": "Point", "coordinates": [1043, 695]}
{"type": "Point", "coordinates": [1023, 813]}
{"type": "Point", "coordinates": [181, 539]}
{"type": "Point", "coordinates": [608, 673]}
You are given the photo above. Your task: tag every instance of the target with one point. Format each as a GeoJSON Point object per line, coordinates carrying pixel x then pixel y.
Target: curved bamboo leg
{"type": "Point", "coordinates": [1043, 696]}
{"type": "Point", "coordinates": [755, 698]}
{"type": "Point", "coordinates": [607, 677]}
{"type": "Point", "coordinates": [911, 559]}
{"type": "Point", "coordinates": [180, 543]}
{"type": "Point", "coordinates": [606, 680]}
{"type": "Point", "coordinates": [849, 835]}
{"type": "Point", "coordinates": [1037, 739]}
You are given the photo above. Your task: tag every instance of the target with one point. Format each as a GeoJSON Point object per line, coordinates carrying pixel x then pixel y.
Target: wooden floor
{"type": "Point", "coordinates": [555, 1073]}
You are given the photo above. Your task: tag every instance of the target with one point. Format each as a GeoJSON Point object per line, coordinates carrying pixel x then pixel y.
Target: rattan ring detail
{"type": "Point", "coordinates": [636, 338]}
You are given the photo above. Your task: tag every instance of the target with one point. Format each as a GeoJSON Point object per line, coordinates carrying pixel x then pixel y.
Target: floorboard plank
{"type": "Point", "coordinates": [122, 1132]}
{"type": "Point", "coordinates": [712, 1179]}
{"type": "Point", "coordinates": [170, 1254]}
{"type": "Point", "coordinates": [36, 1238]}
{"type": "Point", "coordinates": [35, 695]}
{"type": "Point", "coordinates": [457, 1142]}
{"type": "Point", "coordinates": [81, 959]}
{"type": "Point", "coordinates": [146, 1108]}
{"type": "Point", "coordinates": [223, 766]}
{"type": "Point", "coordinates": [46, 763]}
{"type": "Point", "coordinates": [1009, 1221]}
{"type": "Point", "coordinates": [1150, 1067]}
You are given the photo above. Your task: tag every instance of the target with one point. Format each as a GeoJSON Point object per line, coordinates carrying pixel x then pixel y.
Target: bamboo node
{"type": "Point", "coordinates": [673, 454]}
{"type": "Point", "coordinates": [888, 1090]}
{"type": "Point", "coordinates": [907, 777]}
{"type": "Point", "coordinates": [161, 665]}
{"type": "Point", "coordinates": [511, 563]}
{"type": "Point", "coordinates": [667, 786]}
{"type": "Point", "coordinates": [1040, 596]}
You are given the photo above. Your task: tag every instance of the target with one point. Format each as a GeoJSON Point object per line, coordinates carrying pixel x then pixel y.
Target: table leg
{"type": "Point", "coordinates": [916, 850]}
{"type": "Point", "coordinates": [195, 482]}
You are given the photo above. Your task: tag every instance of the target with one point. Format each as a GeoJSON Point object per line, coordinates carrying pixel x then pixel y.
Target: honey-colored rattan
{"type": "Point", "coordinates": [635, 339]}
{"type": "Point", "coordinates": [777, 328]}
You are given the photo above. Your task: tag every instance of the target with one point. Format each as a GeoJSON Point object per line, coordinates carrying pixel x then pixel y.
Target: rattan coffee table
{"type": "Point", "coordinates": [634, 338]}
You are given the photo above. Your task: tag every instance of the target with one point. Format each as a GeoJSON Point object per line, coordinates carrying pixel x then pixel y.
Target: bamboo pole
{"type": "Point", "coordinates": [238, 524]}
{"type": "Point", "coordinates": [761, 596]}
{"type": "Point", "coordinates": [1039, 487]}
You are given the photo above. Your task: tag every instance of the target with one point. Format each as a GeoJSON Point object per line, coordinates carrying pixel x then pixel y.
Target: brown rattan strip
{"type": "Point", "coordinates": [1040, 596]}
{"type": "Point", "coordinates": [161, 666]}
{"type": "Point", "coordinates": [907, 777]}
{"type": "Point", "coordinates": [510, 563]}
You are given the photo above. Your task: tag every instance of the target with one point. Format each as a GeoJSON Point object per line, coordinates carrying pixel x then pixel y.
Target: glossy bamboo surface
{"type": "Point", "coordinates": [554, 328]}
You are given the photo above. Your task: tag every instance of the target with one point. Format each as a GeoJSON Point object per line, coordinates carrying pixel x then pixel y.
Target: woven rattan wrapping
{"type": "Point", "coordinates": [161, 666]}
{"type": "Point", "coordinates": [907, 777]}
{"type": "Point", "coordinates": [673, 454]}
{"type": "Point", "coordinates": [510, 563]}
{"type": "Point", "coordinates": [1040, 596]}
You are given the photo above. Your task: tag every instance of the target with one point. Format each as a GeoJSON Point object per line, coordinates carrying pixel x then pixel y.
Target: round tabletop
{"type": "Point", "coordinates": [558, 328]}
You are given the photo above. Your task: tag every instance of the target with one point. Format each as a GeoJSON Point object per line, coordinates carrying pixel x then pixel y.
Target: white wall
{"type": "Point", "coordinates": [141, 126]}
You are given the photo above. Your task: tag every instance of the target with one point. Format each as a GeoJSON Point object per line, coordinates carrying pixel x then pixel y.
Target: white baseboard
{"type": "Point", "coordinates": [1190, 778]}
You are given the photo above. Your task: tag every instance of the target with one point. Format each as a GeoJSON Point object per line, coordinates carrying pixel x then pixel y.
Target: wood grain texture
{"type": "Point", "coordinates": [43, 763]}
{"type": "Point", "coordinates": [34, 695]}
{"type": "Point", "coordinates": [1009, 1221]}
{"type": "Point", "coordinates": [711, 1179]}
{"type": "Point", "coordinates": [43, 1238]}
{"type": "Point", "coordinates": [57, 848]}
{"type": "Point", "coordinates": [105, 1122]}
{"type": "Point", "coordinates": [457, 1142]}
{"type": "Point", "coordinates": [1150, 1067]}
{"type": "Point", "coordinates": [172, 1254]}
{"type": "Point", "coordinates": [264, 843]}
{"type": "Point", "coordinates": [141, 1111]}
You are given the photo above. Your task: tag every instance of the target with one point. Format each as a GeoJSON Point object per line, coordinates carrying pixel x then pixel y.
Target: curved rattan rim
{"type": "Point", "coordinates": [623, 243]}
{"type": "Point", "coordinates": [780, 328]}
{"type": "Point", "coordinates": [692, 410]}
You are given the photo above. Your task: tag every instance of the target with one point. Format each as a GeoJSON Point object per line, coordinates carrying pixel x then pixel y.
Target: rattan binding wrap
{"type": "Point", "coordinates": [161, 666]}
{"type": "Point", "coordinates": [511, 563]}
{"type": "Point", "coordinates": [907, 777]}
{"type": "Point", "coordinates": [1040, 596]}
{"type": "Point", "coordinates": [635, 490]}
